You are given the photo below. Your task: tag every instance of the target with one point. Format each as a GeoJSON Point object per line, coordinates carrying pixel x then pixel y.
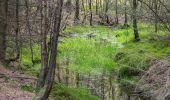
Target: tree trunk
{"type": "Point", "coordinates": [156, 17]}
{"type": "Point", "coordinates": [3, 28]}
{"type": "Point", "coordinates": [106, 11]}
{"type": "Point", "coordinates": [53, 52]}
{"type": "Point", "coordinates": [17, 31]}
{"type": "Point", "coordinates": [97, 3]}
{"type": "Point", "coordinates": [91, 14]}
{"type": "Point", "coordinates": [117, 17]}
{"type": "Point", "coordinates": [126, 17]}
{"type": "Point", "coordinates": [76, 19]}
{"type": "Point", "coordinates": [135, 26]}
{"type": "Point", "coordinates": [44, 54]}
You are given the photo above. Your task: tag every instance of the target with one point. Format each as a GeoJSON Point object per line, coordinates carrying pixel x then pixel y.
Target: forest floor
{"type": "Point", "coordinates": [11, 87]}
{"type": "Point", "coordinates": [157, 80]}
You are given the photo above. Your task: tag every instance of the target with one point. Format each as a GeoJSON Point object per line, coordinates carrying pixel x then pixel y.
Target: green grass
{"type": "Point", "coordinates": [92, 55]}
{"type": "Point", "coordinates": [104, 51]}
{"type": "Point", "coordinates": [87, 55]}
{"type": "Point", "coordinates": [61, 92]}
{"type": "Point", "coordinates": [28, 88]}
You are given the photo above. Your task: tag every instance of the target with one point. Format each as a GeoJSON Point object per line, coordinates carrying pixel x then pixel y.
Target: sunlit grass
{"type": "Point", "coordinates": [92, 55]}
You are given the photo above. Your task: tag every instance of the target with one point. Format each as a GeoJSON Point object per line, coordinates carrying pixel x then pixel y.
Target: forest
{"type": "Point", "coordinates": [84, 49]}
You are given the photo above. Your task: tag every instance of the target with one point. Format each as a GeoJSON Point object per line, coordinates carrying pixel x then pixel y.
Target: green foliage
{"type": "Point", "coordinates": [61, 92]}
{"type": "Point", "coordinates": [27, 88]}
{"type": "Point", "coordinates": [26, 55]}
{"type": "Point", "coordinates": [26, 61]}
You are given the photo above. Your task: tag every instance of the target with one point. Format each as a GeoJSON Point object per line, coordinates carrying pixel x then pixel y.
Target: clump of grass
{"type": "Point", "coordinates": [28, 88]}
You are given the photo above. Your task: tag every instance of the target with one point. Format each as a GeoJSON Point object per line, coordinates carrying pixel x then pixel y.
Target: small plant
{"type": "Point", "coordinates": [27, 88]}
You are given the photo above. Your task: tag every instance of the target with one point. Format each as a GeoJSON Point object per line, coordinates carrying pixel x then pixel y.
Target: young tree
{"type": "Point", "coordinates": [3, 28]}
{"type": "Point", "coordinates": [49, 79]}
{"type": "Point", "coordinates": [91, 13]}
{"type": "Point", "coordinates": [126, 16]}
{"type": "Point", "coordinates": [117, 17]}
{"type": "Point", "coordinates": [76, 19]}
{"type": "Point", "coordinates": [97, 6]}
{"type": "Point", "coordinates": [156, 13]}
{"type": "Point", "coordinates": [44, 54]}
{"type": "Point", "coordinates": [135, 26]}
{"type": "Point", "coordinates": [17, 31]}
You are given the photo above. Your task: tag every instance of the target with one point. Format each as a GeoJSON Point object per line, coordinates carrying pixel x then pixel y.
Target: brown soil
{"type": "Point", "coordinates": [10, 85]}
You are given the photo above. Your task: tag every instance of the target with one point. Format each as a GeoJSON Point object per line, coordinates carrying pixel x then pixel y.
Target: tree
{"type": "Point", "coordinates": [117, 17]}
{"type": "Point", "coordinates": [106, 11]}
{"type": "Point", "coordinates": [3, 28]}
{"type": "Point", "coordinates": [76, 19]}
{"type": "Point", "coordinates": [126, 17]}
{"type": "Point", "coordinates": [135, 26]}
{"type": "Point", "coordinates": [49, 79]}
{"type": "Point", "coordinates": [44, 54]}
{"type": "Point", "coordinates": [91, 13]}
{"type": "Point", "coordinates": [17, 31]}
{"type": "Point", "coordinates": [97, 6]}
{"type": "Point", "coordinates": [156, 17]}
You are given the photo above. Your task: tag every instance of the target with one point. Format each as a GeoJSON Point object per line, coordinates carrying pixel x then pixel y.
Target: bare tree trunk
{"type": "Point", "coordinates": [84, 10]}
{"type": "Point", "coordinates": [3, 28]}
{"type": "Point", "coordinates": [117, 17]}
{"type": "Point", "coordinates": [53, 52]}
{"type": "Point", "coordinates": [135, 26]}
{"type": "Point", "coordinates": [76, 19]}
{"type": "Point", "coordinates": [106, 11]}
{"type": "Point", "coordinates": [44, 54]}
{"type": "Point", "coordinates": [91, 13]}
{"type": "Point", "coordinates": [156, 17]}
{"type": "Point", "coordinates": [126, 17]}
{"type": "Point", "coordinates": [97, 3]}
{"type": "Point", "coordinates": [17, 31]}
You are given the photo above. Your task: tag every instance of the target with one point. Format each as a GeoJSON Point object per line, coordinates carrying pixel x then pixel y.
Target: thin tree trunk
{"type": "Point", "coordinates": [44, 54]}
{"type": "Point", "coordinates": [84, 10]}
{"type": "Point", "coordinates": [126, 17]}
{"type": "Point", "coordinates": [91, 14]}
{"type": "Point", "coordinates": [97, 3]}
{"type": "Point", "coordinates": [76, 19]}
{"type": "Point", "coordinates": [117, 18]}
{"type": "Point", "coordinates": [53, 52]}
{"type": "Point", "coordinates": [3, 28]}
{"type": "Point", "coordinates": [17, 31]}
{"type": "Point", "coordinates": [156, 17]}
{"type": "Point", "coordinates": [135, 26]}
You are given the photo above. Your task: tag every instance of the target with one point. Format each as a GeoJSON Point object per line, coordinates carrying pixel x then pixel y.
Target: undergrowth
{"type": "Point", "coordinates": [109, 48]}
{"type": "Point", "coordinates": [61, 92]}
